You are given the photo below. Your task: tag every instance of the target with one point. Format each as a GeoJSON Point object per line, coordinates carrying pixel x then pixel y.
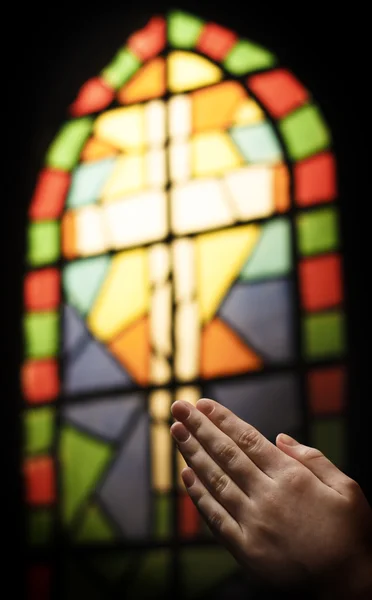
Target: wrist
{"type": "Point", "coordinates": [351, 581]}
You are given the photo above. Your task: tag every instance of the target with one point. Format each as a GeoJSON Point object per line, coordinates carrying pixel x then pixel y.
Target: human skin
{"type": "Point", "coordinates": [284, 511]}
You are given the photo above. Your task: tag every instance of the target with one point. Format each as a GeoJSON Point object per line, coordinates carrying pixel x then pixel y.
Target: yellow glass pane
{"type": "Point", "coordinates": [187, 71]}
{"type": "Point", "coordinates": [252, 191]}
{"type": "Point", "coordinates": [155, 120]}
{"type": "Point", "coordinates": [156, 168]}
{"type": "Point", "coordinates": [127, 177]}
{"type": "Point", "coordinates": [148, 83]}
{"type": "Point", "coordinates": [215, 107]}
{"type": "Point", "coordinates": [96, 150]}
{"type": "Point", "coordinates": [161, 457]}
{"type": "Point", "coordinates": [184, 274]}
{"type": "Point", "coordinates": [213, 153]}
{"type": "Point", "coordinates": [160, 319]}
{"type": "Point", "coordinates": [198, 206]}
{"type": "Point", "coordinates": [160, 370]}
{"type": "Point", "coordinates": [123, 128]}
{"type": "Point", "coordinates": [248, 113]}
{"type": "Point", "coordinates": [179, 162]}
{"type": "Point", "coordinates": [124, 296]}
{"type": "Point", "coordinates": [90, 231]}
{"type": "Point", "coordinates": [187, 335]}
{"type": "Point", "coordinates": [159, 263]}
{"type": "Point", "coordinates": [136, 220]}
{"type": "Point", "coordinates": [179, 117]}
{"type": "Point", "coordinates": [220, 258]}
{"type": "Point", "coordinates": [159, 405]}
{"type": "Point", "coordinates": [188, 393]}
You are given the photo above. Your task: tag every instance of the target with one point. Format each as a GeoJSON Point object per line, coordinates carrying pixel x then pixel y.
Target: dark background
{"type": "Point", "coordinates": [52, 49]}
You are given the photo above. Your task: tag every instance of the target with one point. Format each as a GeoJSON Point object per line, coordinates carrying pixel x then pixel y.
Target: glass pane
{"type": "Point", "coordinates": [304, 132]}
{"type": "Point", "coordinates": [257, 143]}
{"type": "Point", "coordinates": [320, 281]}
{"type": "Point", "coordinates": [88, 182]}
{"type": "Point", "coordinates": [132, 349]}
{"type": "Point", "coordinates": [42, 289]}
{"type": "Point", "coordinates": [40, 382]}
{"type": "Point", "coordinates": [216, 41]}
{"type": "Point", "coordinates": [327, 390]}
{"type": "Point", "coordinates": [315, 179]}
{"type": "Point", "coordinates": [41, 334]}
{"type": "Point", "coordinates": [324, 335]}
{"type": "Point", "coordinates": [317, 231]}
{"type": "Point", "coordinates": [279, 91]}
{"type": "Point", "coordinates": [65, 149]}
{"type": "Point", "coordinates": [38, 430]}
{"type": "Point", "coordinates": [121, 68]}
{"type": "Point", "coordinates": [246, 56]}
{"type": "Point", "coordinates": [43, 243]}
{"type": "Point", "coordinates": [161, 457]}
{"type": "Point", "coordinates": [123, 128]}
{"type": "Point", "coordinates": [252, 192]}
{"type": "Point", "coordinates": [213, 153]}
{"type": "Point", "coordinates": [49, 195]}
{"type": "Point", "coordinates": [187, 71]}
{"type": "Point", "coordinates": [329, 436]}
{"type": "Point", "coordinates": [183, 29]}
{"type": "Point", "coordinates": [148, 83]}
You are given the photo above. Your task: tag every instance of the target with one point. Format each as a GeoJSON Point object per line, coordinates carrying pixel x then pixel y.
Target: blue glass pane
{"type": "Point", "coordinates": [74, 330]}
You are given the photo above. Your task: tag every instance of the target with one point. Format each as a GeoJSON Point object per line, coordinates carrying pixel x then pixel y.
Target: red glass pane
{"type": "Point", "coordinates": [315, 179]}
{"type": "Point", "coordinates": [279, 91]}
{"type": "Point", "coordinates": [40, 382]}
{"type": "Point", "coordinates": [50, 194]}
{"type": "Point", "coordinates": [39, 583]}
{"type": "Point", "coordinates": [150, 40]}
{"type": "Point", "coordinates": [327, 390]}
{"type": "Point", "coordinates": [42, 289]}
{"type": "Point", "coordinates": [39, 480]}
{"type": "Point", "coordinates": [320, 282]}
{"type": "Point", "coordinates": [93, 96]}
{"type": "Point", "coordinates": [216, 41]}
{"type": "Point", "coordinates": [188, 517]}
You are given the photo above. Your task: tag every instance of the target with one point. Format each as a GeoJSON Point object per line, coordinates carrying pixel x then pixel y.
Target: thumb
{"type": "Point", "coordinates": [314, 460]}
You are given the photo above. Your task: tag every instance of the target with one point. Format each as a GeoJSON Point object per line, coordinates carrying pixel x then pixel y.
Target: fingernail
{"type": "Point", "coordinates": [180, 432]}
{"type": "Point", "coordinates": [188, 477]}
{"type": "Point", "coordinates": [288, 440]}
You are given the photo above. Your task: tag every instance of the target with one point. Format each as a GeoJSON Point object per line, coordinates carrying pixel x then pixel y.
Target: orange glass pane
{"type": "Point", "coordinates": [223, 352]}
{"type": "Point", "coordinates": [214, 107]}
{"type": "Point", "coordinates": [189, 519]}
{"type": "Point", "coordinates": [279, 91]}
{"type": "Point", "coordinates": [132, 349]}
{"type": "Point", "coordinates": [148, 83]}
{"type": "Point", "coordinates": [42, 291]}
{"type": "Point", "coordinates": [95, 150]}
{"type": "Point", "coordinates": [40, 382]}
{"type": "Point", "coordinates": [94, 95]}
{"type": "Point", "coordinates": [39, 583]}
{"type": "Point", "coordinates": [327, 390]}
{"type": "Point", "coordinates": [282, 196]}
{"type": "Point", "coordinates": [150, 40]}
{"type": "Point", "coordinates": [216, 41]}
{"type": "Point", "coordinates": [50, 194]}
{"type": "Point", "coordinates": [69, 237]}
{"type": "Point", "coordinates": [315, 180]}
{"type": "Point", "coordinates": [320, 282]}
{"type": "Point", "coordinates": [39, 480]}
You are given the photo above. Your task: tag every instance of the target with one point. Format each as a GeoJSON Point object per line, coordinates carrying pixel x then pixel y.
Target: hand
{"type": "Point", "coordinates": [285, 512]}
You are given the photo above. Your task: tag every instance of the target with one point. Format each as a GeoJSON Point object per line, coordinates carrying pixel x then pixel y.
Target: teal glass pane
{"type": "Point", "coordinates": [41, 334]}
{"type": "Point", "coordinates": [88, 181]}
{"type": "Point", "coordinates": [43, 243]}
{"type": "Point", "coordinates": [82, 280]}
{"type": "Point", "coordinates": [272, 254]}
{"type": "Point", "coordinates": [121, 68]}
{"type": "Point", "coordinates": [65, 150]}
{"type": "Point", "coordinates": [317, 231]}
{"type": "Point", "coordinates": [324, 335]}
{"type": "Point", "coordinates": [304, 132]}
{"type": "Point", "coordinates": [183, 29]}
{"type": "Point", "coordinates": [246, 57]}
{"type": "Point", "coordinates": [257, 143]}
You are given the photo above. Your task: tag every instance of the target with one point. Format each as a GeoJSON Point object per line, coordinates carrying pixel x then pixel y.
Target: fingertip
{"type": "Point", "coordinates": [205, 405]}
{"type": "Point", "coordinates": [287, 440]}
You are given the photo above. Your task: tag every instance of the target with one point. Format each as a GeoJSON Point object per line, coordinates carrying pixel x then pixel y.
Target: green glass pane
{"type": "Point", "coordinates": [113, 565]}
{"type": "Point", "coordinates": [317, 231]}
{"type": "Point", "coordinates": [43, 245]}
{"type": "Point", "coordinates": [203, 568]}
{"type": "Point", "coordinates": [40, 525]}
{"type": "Point", "coordinates": [41, 334]}
{"type": "Point", "coordinates": [38, 425]}
{"type": "Point", "coordinates": [304, 132]}
{"type": "Point", "coordinates": [272, 255]}
{"type": "Point", "coordinates": [83, 460]}
{"type": "Point", "coordinates": [82, 280]}
{"type": "Point", "coordinates": [152, 577]}
{"type": "Point", "coordinates": [121, 68]}
{"type": "Point", "coordinates": [65, 150]}
{"type": "Point", "coordinates": [245, 57]}
{"type": "Point", "coordinates": [183, 29]}
{"type": "Point", "coordinates": [162, 516]}
{"type": "Point", "coordinates": [95, 526]}
{"type": "Point", "coordinates": [324, 335]}
{"type": "Point", "coordinates": [329, 436]}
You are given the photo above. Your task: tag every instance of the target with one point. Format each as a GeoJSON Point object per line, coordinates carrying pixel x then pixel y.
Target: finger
{"type": "Point", "coordinates": [314, 460]}
{"type": "Point", "coordinates": [219, 446]}
{"type": "Point", "coordinates": [218, 483]}
{"type": "Point", "coordinates": [220, 522]}
{"type": "Point", "coordinates": [261, 452]}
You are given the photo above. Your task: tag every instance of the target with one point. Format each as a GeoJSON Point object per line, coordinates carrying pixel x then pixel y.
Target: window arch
{"type": "Point", "coordinates": [183, 241]}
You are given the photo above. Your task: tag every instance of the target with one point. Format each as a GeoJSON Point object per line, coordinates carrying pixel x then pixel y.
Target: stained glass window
{"type": "Point", "coordinates": [183, 241]}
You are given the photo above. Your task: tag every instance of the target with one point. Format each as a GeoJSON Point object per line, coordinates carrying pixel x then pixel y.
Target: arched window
{"type": "Point", "coordinates": [183, 242]}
